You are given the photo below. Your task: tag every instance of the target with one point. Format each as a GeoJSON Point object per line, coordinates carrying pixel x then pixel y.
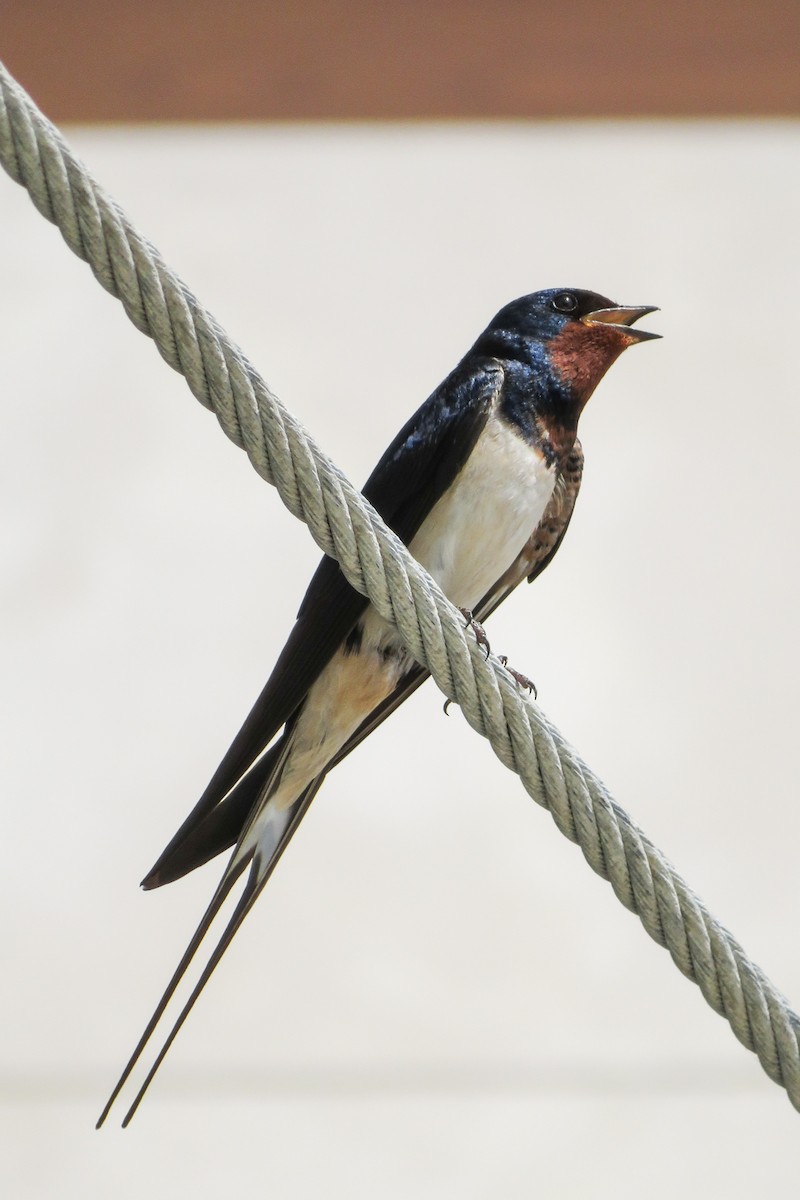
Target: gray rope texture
{"type": "Point", "coordinates": [345, 526]}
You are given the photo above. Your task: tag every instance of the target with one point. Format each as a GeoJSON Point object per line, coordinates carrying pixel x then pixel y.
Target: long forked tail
{"type": "Point", "coordinates": [261, 867]}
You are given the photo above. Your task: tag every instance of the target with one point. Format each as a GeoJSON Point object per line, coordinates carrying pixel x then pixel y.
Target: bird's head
{"type": "Point", "coordinates": [558, 345]}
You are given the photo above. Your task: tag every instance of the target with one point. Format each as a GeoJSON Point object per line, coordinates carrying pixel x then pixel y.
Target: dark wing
{"type": "Point", "coordinates": [219, 828]}
{"type": "Point", "coordinates": [419, 465]}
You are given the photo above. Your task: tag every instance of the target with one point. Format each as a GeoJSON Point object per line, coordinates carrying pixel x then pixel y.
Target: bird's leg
{"type": "Point", "coordinates": [477, 629]}
{"type": "Point", "coordinates": [521, 680]}
{"type": "Point", "coordinates": [480, 638]}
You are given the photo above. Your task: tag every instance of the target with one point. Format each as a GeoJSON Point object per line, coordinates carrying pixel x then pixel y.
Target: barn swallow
{"type": "Point", "coordinates": [480, 485]}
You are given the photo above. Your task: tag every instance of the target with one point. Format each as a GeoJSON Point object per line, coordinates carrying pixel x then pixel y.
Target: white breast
{"type": "Point", "coordinates": [475, 531]}
{"type": "Point", "coordinates": [471, 536]}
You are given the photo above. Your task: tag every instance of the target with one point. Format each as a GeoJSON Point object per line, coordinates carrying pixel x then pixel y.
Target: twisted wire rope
{"type": "Point", "coordinates": [375, 562]}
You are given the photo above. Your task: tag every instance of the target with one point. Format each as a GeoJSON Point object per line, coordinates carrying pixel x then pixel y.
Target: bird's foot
{"type": "Point", "coordinates": [477, 629]}
{"type": "Point", "coordinates": [520, 679]}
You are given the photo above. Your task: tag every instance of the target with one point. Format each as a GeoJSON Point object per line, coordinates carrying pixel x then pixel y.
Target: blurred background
{"type": "Point", "coordinates": [435, 996]}
{"type": "Point", "coordinates": [353, 60]}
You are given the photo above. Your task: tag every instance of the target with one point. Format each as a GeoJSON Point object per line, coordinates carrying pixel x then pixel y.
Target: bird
{"type": "Point", "coordinates": [480, 485]}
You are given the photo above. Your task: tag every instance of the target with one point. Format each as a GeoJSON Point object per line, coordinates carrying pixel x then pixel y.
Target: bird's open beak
{"type": "Point", "coordinates": [622, 319]}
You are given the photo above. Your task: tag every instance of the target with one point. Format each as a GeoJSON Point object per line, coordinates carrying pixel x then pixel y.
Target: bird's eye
{"type": "Point", "coordinates": [565, 302]}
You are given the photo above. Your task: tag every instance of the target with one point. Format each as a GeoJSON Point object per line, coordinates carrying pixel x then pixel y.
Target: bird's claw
{"type": "Point", "coordinates": [520, 679]}
{"type": "Point", "coordinates": [477, 629]}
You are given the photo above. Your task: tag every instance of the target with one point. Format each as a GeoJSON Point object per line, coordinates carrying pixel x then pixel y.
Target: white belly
{"type": "Point", "coordinates": [471, 536]}
{"type": "Point", "coordinates": [476, 530]}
